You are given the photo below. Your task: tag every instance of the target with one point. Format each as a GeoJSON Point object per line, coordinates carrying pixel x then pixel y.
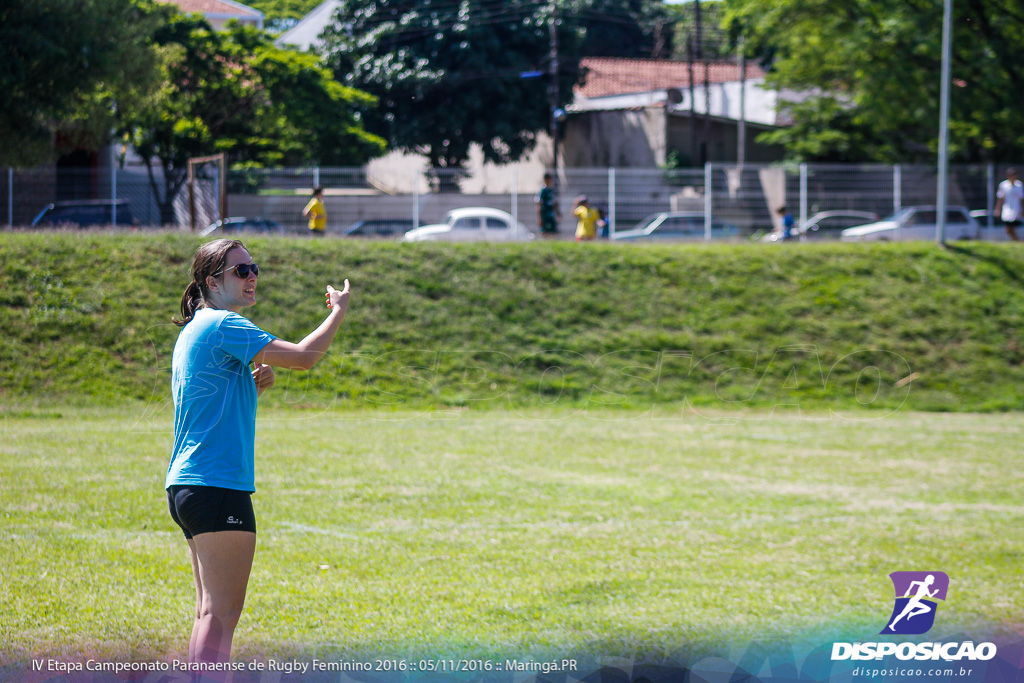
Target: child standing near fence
{"type": "Point", "coordinates": [586, 224]}
{"type": "Point", "coordinates": [316, 212]}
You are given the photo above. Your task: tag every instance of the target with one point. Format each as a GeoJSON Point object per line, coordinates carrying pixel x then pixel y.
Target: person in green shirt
{"type": "Point", "coordinates": [548, 214]}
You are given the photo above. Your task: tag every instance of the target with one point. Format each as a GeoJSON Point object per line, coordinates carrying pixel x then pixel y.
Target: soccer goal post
{"type": "Point", "coordinates": [207, 190]}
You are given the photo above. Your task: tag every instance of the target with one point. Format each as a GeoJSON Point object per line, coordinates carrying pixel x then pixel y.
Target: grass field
{"type": "Point", "coordinates": [487, 533]}
{"type": "Point", "coordinates": [541, 450]}
{"type": "Point", "coordinates": [85, 320]}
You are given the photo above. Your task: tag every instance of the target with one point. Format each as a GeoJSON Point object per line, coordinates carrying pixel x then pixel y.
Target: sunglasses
{"type": "Point", "coordinates": [242, 270]}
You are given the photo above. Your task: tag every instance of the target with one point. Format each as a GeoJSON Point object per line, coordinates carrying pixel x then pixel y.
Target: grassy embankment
{"type": "Point", "coordinates": [85, 319]}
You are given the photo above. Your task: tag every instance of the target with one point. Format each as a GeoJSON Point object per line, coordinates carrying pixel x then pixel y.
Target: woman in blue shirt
{"type": "Point", "coordinates": [222, 363]}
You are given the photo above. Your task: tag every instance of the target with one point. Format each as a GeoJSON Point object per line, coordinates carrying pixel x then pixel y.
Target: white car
{"type": "Point", "coordinates": [472, 224]}
{"type": "Point", "coordinates": [915, 223]}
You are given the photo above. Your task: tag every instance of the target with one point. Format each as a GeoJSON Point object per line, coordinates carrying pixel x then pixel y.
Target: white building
{"type": "Point", "coordinates": [305, 35]}
{"type": "Point", "coordinates": [219, 12]}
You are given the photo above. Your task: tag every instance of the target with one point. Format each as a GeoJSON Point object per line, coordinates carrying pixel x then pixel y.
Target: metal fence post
{"type": "Point", "coordinates": [415, 200]}
{"type": "Point", "coordinates": [113, 186]}
{"type": "Point", "coordinates": [611, 203]}
{"type": "Point", "coordinates": [990, 192]}
{"type": "Point", "coordinates": [897, 188]}
{"type": "Point", "coordinates": [707, 201]}
{"type": "Point", "coordinates": [803, 197]}
{"type": "Point", "coordinates": [10, 197]}
{"type": "Point", "coordinates": [316, 177]}
{"type": "Point", "coordinates": [515, 200]}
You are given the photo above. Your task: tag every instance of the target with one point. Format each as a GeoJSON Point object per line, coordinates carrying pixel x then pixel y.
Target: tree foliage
{"type": "Point", "coordinates": [283, 13]}
{"type": "Point", "coordinates": [448, 74]}
{"type": "Point", "coordinates": [714, 42]}
{"type": "Point", "coordinates": [237, 93]}
{"type": "Point", "coordinates": [67, 63]}
{"type": "Point", "coordinates": [626, 28]}
{"type": "Point", "coordinates": [868, 73]}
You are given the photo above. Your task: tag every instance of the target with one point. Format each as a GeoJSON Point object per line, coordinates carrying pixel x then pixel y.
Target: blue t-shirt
{"type": "Point", "coordinates": [787, 225]}
{"type": "Point", "coordinates": [215, 401]}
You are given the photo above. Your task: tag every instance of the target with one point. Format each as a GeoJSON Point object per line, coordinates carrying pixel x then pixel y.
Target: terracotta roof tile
{"type": "Point", "coordinates": [615, 76]}
{"type": "Point", "coordinates": [212, 7]}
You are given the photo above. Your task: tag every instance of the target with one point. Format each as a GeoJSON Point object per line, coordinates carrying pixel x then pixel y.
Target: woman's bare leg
{"type": "Point", "coordinates": [199, 599]}
{"type": "Point", "coordinates": [224, 560]}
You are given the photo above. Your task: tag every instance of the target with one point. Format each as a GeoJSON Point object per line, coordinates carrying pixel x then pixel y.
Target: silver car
{"type": "Point", "coordinates": [824, 225]}
{"type": "Point", "coordinates": [242, 224]}
{"type": "Point", "coordinates": [915, 223]}
{"type": "Point", "coordinates": [676, 225]}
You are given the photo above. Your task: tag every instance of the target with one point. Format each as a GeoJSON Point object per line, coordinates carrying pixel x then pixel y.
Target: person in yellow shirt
{"type": "Point", "coordinates": [316, 213]}
{"type": "Point", "coordinates": [586, 225]}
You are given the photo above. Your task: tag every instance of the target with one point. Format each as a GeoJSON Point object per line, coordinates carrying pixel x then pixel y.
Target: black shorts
{"type": "Point", "coordinates": [202, 509]}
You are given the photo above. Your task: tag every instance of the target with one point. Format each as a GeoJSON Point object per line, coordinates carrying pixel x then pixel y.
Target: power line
{"type": "Point", "coordinates": [484, 12]}
{"type": "Point", "coordinates": [407, 34]}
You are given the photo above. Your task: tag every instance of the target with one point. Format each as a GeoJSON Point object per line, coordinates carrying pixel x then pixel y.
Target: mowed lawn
{"type": "Point", "coordinates": [490, 533]}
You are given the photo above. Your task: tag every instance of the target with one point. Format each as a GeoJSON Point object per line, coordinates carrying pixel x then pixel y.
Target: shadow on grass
{"type": "Point", "coordinates": [972, 251]}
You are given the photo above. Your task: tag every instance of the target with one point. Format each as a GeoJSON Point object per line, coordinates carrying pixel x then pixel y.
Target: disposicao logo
{"type": "Point", "coordinates": [917, 596]}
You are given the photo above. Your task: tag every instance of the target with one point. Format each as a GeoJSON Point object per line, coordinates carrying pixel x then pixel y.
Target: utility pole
{"type": "Point", "coordinates": [697, 23]}
{"type": "Point", "coordinates": [943, 183]}
{"type": "Point", "coordinates": [553, 95]}
{"type": "Point", "coordinates": [741, 129]}
{"type": "Point", "coordinates": [693, 102]}
{"type": "Point", "coordinates": [706, 132]}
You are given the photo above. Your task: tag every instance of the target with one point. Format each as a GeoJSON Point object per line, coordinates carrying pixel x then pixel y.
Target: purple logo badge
{"type": "Point", "coordinates": [917, 594]}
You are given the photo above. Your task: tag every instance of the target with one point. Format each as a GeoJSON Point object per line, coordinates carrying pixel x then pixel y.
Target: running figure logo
{"type": "Point", "coordinates": [916, 596]}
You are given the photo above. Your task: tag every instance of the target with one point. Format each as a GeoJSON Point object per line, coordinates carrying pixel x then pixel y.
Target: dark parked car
{"type": "Point", "coordinates": [84, 214]}
{"type": "Point", "coordinates": [240, 224]}
{"type": "Point", "coordinates": [380, 227]}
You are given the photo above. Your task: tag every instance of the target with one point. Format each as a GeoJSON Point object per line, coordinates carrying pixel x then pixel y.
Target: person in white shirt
{"type": "Point", "coordinates": [1008, 203]}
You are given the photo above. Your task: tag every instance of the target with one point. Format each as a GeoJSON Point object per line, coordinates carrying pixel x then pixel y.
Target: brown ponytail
{"type": "Point", "coordinates": [209, 259]}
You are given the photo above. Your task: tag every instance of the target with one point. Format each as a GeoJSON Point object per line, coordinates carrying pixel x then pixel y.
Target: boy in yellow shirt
{"type": "Point", "coordinates": [586, 226]}
{"type": "Point", "coordinates": [316, 213]}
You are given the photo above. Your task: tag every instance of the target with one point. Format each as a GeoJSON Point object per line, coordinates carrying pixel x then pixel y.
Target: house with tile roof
{"type": "Point", "coordinates": [642, 112]}
{"type": "Point", "coordinates": [638, 112]}
{"type": "Point", "coordinates": [220, 12]}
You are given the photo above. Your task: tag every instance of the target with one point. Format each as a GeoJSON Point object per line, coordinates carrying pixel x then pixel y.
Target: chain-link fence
{"type": "Point", "coordinates": [54, 196]}
{"type": "Point", "coordinates": [388, 203]}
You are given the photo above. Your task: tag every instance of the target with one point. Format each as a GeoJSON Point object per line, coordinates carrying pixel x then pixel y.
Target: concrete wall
{"type": "Point", "coordinates": [721, 141]}
{"type": "Point", "coordinates": [621, 138]}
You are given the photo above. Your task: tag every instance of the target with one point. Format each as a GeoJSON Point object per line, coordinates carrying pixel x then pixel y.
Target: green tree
{"type": "Point", "coordinates": [627, 28]}
{"type": "Point", "coordinates": [868, 72]}
{"type": "Point", "coordinates": [281, 14]}
{"type": "Point", "coordinates": [67, 64]}
{"type": "Point", "coordinates": [715, 43]}
{"type": "Point", "coordinates": [237, 93]}
{"type": "Point", "coordinates": [448, 74]}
